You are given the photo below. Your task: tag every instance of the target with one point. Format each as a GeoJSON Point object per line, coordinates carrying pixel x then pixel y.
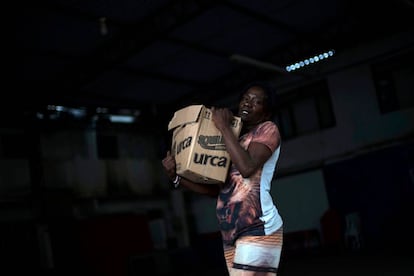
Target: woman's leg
{"type": "Point", "coordinates": [255, 255]}
{"type": "Point", "coordinates": [229, 256]}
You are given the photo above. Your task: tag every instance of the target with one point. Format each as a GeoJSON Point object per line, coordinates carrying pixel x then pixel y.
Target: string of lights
{"type": "Point", "coordinates": [309, 61]}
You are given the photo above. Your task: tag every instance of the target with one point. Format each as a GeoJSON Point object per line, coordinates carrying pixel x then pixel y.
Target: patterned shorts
{"type": "Point", "coordinates": [252, 254]}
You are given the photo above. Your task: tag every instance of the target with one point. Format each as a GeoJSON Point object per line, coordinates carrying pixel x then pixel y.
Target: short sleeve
{"type": "Point", "coordinates": [267, 133]}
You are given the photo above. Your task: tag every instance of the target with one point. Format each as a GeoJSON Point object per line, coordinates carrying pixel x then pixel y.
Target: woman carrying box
{"type": "Point", "coordinates": [250, 224]}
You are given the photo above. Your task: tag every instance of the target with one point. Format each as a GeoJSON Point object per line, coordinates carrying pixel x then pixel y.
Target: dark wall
{"type": "Point", "coordinates": [379, 187]}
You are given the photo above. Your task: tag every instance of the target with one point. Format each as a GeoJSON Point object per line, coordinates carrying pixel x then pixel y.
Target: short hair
{"type": "Point", "coordinates": [270, 94]}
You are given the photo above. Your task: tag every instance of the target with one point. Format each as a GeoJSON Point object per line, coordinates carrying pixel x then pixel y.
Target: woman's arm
{"type": "Point", "coordinates": [246, 161]}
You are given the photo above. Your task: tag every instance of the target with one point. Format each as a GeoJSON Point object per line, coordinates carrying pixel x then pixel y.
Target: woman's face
{"type": "Point", "coordinates": [252, 108]}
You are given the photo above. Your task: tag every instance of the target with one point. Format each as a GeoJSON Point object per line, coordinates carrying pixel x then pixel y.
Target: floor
{"type": "Point", "coordinates": [355, 265]}
{"type": "Point", "coordinates": [390, 263]}
{"type": "Point", "coordinates": [339, 265]}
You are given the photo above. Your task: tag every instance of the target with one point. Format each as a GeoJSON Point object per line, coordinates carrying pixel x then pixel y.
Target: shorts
{"type": "Point", "coordinates": [252, 254]}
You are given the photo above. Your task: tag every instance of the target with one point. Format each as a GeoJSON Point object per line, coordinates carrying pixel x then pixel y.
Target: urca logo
{"type": "Point", "coordinates": [184, 144]}
{"type": "Point", "coordinates": [213, 160]}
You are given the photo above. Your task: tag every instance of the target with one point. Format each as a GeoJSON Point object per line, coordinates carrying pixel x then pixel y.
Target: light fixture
{"type": "Point", "coordinates": [309, 61]}
{"type": "Point", "coordinates": [125, 119]}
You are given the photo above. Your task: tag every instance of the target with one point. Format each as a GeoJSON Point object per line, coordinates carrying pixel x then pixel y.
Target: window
{"type": "Point", "coordinates": [305, 115]}
{"type": "Point", "coordinates": [286, 123]}
{"type": "Point", "coordinates": [305, 110]}
{"type": "Point", "coordinates": [394, 83]}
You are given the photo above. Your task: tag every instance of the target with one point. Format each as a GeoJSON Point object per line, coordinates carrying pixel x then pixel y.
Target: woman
{"type": "Point", "coordinates": [250, 224]}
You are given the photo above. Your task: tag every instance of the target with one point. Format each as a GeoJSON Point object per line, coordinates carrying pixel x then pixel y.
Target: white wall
{"type": "Point", "coordinates": [301, 200]}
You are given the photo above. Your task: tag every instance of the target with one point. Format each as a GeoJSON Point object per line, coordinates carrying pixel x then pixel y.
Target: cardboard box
{"type": "Point", "coordinates": [198, 145]}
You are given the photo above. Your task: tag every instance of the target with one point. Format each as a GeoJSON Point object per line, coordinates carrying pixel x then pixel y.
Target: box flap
{"type": "Point", "coordinates": [185, 115]}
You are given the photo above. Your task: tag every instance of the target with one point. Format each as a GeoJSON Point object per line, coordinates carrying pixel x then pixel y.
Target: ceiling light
{"type": "Point", "coordinates": [316, 58]}
{"type": "Point", "coordinates": [126, 119]}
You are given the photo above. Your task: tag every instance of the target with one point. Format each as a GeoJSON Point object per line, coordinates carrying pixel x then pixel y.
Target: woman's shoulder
{"type": "Point", "coordinates": [268, 133]}
{"type": "Point", "coordinates": [267, 126]}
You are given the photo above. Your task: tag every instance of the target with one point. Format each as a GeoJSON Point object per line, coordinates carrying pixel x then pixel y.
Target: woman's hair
{"type": "Point", "coordinates": [270, 94]}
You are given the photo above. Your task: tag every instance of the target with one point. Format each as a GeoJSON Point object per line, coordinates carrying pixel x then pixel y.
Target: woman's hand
{"type": "Point", "coordinates": [169, 166]}
{"type": "Point", "coordinates": [170, 169]}
{"type": "Point", "coordinates": [222, 117]}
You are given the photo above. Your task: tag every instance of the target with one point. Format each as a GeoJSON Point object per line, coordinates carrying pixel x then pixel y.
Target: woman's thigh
{"type": "Point", "coordinates": [255, 255]}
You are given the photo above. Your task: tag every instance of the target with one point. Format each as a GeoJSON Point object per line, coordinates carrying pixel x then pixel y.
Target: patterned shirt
{"type": "Point", "coordinates": [245, 206]}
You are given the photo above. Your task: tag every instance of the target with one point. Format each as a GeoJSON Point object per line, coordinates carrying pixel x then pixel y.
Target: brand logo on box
{"type": "Point", "coordinates": [211, 142]}
{"type": "Point", "coordinates": [206, 142]}
{"type": "Point", "coordinates": [215, 142]}
{"type": "Point", "coordinates": [213, 160]}
{"type": "Point", "coordinates": [183, 144]}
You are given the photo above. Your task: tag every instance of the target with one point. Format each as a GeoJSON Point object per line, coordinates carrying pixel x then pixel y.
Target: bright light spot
{"type": "Point", "coordinates": [309, 61]}
{"type": "Point", "coordinates": [121, 119]}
